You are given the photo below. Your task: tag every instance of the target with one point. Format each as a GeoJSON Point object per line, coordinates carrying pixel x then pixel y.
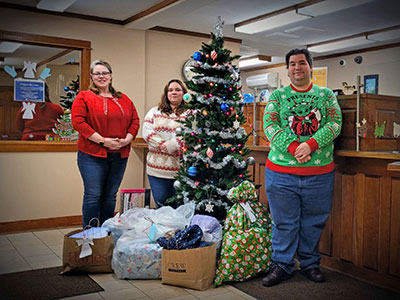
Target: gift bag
{"type": "Point", "coordinates": [190, 268]}
{"type": "Point", "coordinates": [76, 250]}
{"type": "Point", "coordinates": [246, 246]}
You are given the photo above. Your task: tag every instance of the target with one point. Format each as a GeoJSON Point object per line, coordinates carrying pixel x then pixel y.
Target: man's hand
{"type": "Point", "coordinates": [302, 153]}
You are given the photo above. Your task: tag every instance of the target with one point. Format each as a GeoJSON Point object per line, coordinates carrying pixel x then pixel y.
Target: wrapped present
{"type": "Point", "coordinates": [136, 260]}
{"type": "Point", "coordinates": [246, 246]}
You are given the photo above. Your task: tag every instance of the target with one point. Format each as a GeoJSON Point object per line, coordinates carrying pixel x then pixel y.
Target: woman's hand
{"type": "Point", "coordinates": [112, 143]}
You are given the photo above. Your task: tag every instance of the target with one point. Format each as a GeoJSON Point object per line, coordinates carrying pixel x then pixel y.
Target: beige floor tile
{"type": "Point", "coordinates": [99, 278]}
{"type": "Point", "coordinates": [50, 237]}
{"type": "Point", "coordinates": [5, 244]}
{"type": "Point", "coordinates": [93, 296]}
{"type": "Point", "coordinates": [28, 251]}
{"type": "Point", "coordinates": [146, 285]}
{"type": "Point", "coordinates": [23, 236]}
{"type": "Point", "coordinates": [166, 292]}
{"type": "Point", "coordinates": [28, 243]}
{"type": "Point", "coordinates": [57, 249]}
{"type": "Point", "coordinates": [68, 229]}
{"type": "Point", "coordinates": [126, 294]}
{"type": "Point", "coordinates": [11, 261]}
{"type": "Point", "coordinates": [239, 292]}
{"type": "Point", "coordinates": [185, 297]}
{"type": "Point", "coordinates": [44, 261]}
{"type": "Point", "coordinates": [226, 296]}
{"type": "Point", "coordinates": [208, 293]}
{"type": "Point", "coordinates": [115, 285]}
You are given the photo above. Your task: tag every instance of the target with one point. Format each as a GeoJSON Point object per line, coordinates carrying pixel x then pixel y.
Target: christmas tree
{"type": "Point", "coordinates": [213, 159]}
{"type": "Point", "coordinates": [71, 92]}
{"type": "Point", "coordinates": [64, 127]}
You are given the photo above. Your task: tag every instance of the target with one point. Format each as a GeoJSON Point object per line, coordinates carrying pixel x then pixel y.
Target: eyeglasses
{"type": "Point", "coordinates": [105, 74]}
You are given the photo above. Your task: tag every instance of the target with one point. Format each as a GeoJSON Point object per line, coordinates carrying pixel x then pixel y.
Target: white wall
{"type": "Point", "coordinates": [48, 185]}
{"type": "Point", "coordinates": [385, 63]}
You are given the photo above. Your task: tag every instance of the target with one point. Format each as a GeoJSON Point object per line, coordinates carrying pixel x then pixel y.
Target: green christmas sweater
{"type": "Point", "coordinates": [291, 117]}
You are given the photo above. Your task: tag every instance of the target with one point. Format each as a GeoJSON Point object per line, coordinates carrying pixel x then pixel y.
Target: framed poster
{"type": "Point", "coordinates": [320, 76]}
{"type": "Point", "coordinates": [371, 84]}
{"type": "Point", "coordinates": [28, 90]}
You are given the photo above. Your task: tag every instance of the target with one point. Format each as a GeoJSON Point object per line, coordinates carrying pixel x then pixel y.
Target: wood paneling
{"type": "Point", "coordinates": [375, 109]}
{"type": "Point", "coordinates": [362, 235]}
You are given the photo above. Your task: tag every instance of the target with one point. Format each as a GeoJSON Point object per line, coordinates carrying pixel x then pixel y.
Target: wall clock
{"type": "Point", "coordinates": [187, 69]}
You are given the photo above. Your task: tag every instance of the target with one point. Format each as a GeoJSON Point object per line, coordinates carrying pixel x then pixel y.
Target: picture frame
{"type": "Point", "coordinates": [371, 83]}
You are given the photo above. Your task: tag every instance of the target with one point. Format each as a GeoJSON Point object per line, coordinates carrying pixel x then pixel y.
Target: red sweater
{"type": "Point", "coordinates": [44, 120]}
{"type": "Point", "coordinates": [89, 115]}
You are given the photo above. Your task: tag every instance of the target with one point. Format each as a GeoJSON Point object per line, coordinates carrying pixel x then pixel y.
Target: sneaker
{"type": "Point", "coordinates": [275, 275]}
{"type": "Point", "coordinates": [314, 274]}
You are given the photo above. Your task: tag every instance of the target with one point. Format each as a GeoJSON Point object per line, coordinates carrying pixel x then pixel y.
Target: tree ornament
{"type": "Point", "coordinates": [204, 112]}
{"type": "Point", "coordinates": [380, 130]}
{"type": "Point", "coordinates": [66, 88]}
{"type": "Point", "coordinates": [214, 55]}
{"type": "Point", "coordinates": [250, 160]}
{"type": "Point", "coordinates": [218, 29]}
{"type": "Point", "coordinates": [177, 184]}
{"type": "Point", "coordinates": [178, 130]}
{"type": "Point", "coordinates": [209, 153]}
{"type": "Point", "coordinates": [224, 107]}
{"type": "Point", "coordinates": [187, 97]}
{"type": "Point", "coordinates": [236, 124]}
{"type": "Point", "coordinates": [209, 207]}
{"type": "Point", "coordinates": [192, 171]}
{"type": "Point", "coordinates": [196, 56]}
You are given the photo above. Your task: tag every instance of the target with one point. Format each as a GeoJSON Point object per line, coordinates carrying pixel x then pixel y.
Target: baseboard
{"type": "Point", "coordinates": [50, 223]}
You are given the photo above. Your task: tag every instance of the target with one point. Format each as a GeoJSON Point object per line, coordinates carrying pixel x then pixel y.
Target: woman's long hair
{"type": "Point", "coordinates": [165, 105]}
{"type": "Point", "coordinates": [94, 88]}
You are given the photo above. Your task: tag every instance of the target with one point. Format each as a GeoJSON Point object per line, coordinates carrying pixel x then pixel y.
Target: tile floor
{"type": "Point", "coordinates": [43, 249]}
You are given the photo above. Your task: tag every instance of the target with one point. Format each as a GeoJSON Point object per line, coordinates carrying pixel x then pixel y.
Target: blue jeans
{"type": "Point", "coordinates": [162, 189]}
{"type": "Point", "coordinates": [299, 207]}
{"type": "Point", "coordinates": [101, 180]}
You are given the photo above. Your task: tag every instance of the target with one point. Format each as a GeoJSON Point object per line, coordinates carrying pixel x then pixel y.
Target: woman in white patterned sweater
{"type": "Point", "coordinates": [159, 128]}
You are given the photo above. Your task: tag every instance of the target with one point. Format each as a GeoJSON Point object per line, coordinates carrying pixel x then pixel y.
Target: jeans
{"type": "Point", "coordinates": [299, 207]}
{"type": "Point", "coordinates": [162, 189]}
{"type": "Point", "coordinates": [101, 180]}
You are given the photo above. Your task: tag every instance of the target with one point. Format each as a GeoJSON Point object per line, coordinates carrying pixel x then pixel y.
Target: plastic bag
{"type": "Point", "coordinates": [212, 229]}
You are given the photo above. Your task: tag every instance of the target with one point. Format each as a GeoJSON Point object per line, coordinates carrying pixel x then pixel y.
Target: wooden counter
{"type": "Point", "coordinates": [362, 235]}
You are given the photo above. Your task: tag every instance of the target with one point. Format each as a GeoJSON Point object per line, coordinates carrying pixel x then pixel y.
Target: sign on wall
{"type": "Point", "coordinates": [320, 76]}
{"type": "Point", "coordinates": [28, 90]}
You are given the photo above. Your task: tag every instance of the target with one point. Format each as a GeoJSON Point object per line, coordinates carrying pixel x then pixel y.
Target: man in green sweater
{"type": "Point", "coordinates": [301, 121]}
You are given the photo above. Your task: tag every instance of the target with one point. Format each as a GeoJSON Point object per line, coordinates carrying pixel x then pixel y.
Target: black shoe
{"type": "Point", "coordinates": [275, 276]}
{"type": "Point", "coordinates": [314, 274]}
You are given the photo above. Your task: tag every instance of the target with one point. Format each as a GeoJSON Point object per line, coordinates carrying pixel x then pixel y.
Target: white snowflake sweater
{"type": "Point", "coordinates": [292, 117]}
{"type": "Point", "coordinates": [159, 134]}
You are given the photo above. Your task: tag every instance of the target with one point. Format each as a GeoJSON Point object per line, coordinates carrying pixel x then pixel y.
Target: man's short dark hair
{"type": "Point", "coordinates": [296, 51]}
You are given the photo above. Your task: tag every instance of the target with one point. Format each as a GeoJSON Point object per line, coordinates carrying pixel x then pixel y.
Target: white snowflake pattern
{"type": "Point", "coordinates": [317, 161]}
{"type": "Point", "coordinates": [281, 156]}
{"type": "Point", "coordinates": [283, 96]}
{"type": "Point", "coordinates": [327, 154]}
{"type": "Point", "coordinates": [271, 130]}
{"type": "Point", "coordinates": [293, 92]}
{"type": "Point", "coordinates": [209, 207]}
{"type": "Point", "coordinates": [335, 126]}
{"type": "Point", "coordinates": [318, 151]}
{"type": "Point", "coordinates": [236, 124]}
{"type": "Point", "coordinates": [312, 91]}
{"type": "Point", "coordinates": [292, 162]}
{"type": "Point", "coordinates": [322, 94]}
{"type": "Point", "coordinates": [273, 157]}
{"type": "Point", "coordinates": [282, 90]}
{"type": "Point", "coordinates": [159, 160]}
{"type": "Point", "coordinates": [273, 148]}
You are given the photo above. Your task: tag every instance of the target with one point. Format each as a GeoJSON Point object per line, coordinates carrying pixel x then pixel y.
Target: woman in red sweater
{"type": "Point", "coordinates": [107, 123]}
{"type": "Point", "coordinates": [41, 122]}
